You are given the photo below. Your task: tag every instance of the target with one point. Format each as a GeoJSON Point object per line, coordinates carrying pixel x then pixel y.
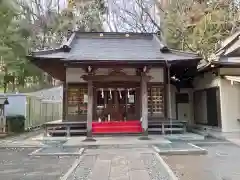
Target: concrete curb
{"type": "Point", "coordinates": [204, 151]}
{"type": "Point", "coordinates": [73, 167]}
{"type": "Point", "coordinates": [36, 153]}
{"type": "Point", "coordinates": [198, 151]}
{"type": "Point", "coordinates": [167, 168]}
{"type": "Point", "coordinates": [20, 146]}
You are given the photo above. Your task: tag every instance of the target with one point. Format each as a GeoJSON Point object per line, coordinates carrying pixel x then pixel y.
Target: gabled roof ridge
{"type": "Point", "coordinates": [232, 39]}
{"type": "Point", "coordinates": [184, 52]}
{"type": "Point", "coordinates": [47, 51]}
{"type": "Point", "coordinates": [114, 32]}
{"type": "Point", "coordinates": [65, 47]}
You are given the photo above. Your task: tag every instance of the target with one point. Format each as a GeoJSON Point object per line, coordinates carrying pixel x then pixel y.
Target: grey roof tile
{"type": "Point", "coordinates": [117, 47]}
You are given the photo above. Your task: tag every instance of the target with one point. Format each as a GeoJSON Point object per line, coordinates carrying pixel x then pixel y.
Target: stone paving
{"type": "Point", "coordinates": [221, 163]}
{"type": "Point", "coordinates": [120, 164]}
{"type": "Point", "coordinates": [115, 158]}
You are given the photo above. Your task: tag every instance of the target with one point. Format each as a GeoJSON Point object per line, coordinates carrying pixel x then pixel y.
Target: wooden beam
{"type": "Point", "coordinates": [144, 98]}
{"type": "Point", "coordinates": [107, 78]}
{"type": "Point", "coordinates": [90, 109]}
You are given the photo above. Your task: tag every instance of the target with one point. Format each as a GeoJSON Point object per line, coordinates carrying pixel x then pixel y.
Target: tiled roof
{"type": "Point", "coordinates": [115, 47]}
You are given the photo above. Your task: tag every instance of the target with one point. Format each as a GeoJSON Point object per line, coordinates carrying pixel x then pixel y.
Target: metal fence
{"type": "Point", "coordinates": [37, 107]}
{"type": "Point", "coordinates": [39, 111]}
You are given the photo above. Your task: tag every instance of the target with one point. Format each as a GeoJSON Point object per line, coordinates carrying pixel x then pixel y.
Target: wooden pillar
{"type": "Point", "coordinates": [90, 109]}
{"type": "Point", "coordinates": [65, 102]}
{"type": "Point", "coordinates": [65, 96]}
{"type": "Point", "coordinates": [144, 99]}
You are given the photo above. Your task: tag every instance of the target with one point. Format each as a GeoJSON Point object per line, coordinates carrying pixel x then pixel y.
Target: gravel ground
{"type": "Point", "coordinates": [22, 136]}
{"type": "Point", "coordinates": [15, 164]}
{"type": "Point", "coordinates": [154, 168]}
{"type": "Point", "coordinates": [221, 163]}
{"type": "Point", "coordinates": [84, 168]}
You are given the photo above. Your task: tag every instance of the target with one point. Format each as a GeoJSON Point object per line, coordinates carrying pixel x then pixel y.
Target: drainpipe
{"type": "Point", "coordinates": [169, 95]}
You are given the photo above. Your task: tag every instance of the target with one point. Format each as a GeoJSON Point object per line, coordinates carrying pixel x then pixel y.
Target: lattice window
{"type": "Point", "coordinates": [156, 101]}
{"type": "Point", "coordinates": [76, 103]}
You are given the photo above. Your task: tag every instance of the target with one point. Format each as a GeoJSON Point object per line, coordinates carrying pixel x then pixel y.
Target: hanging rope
{"type": "Point", "coordinates": [120, 94]}
{"type": "Point", "coordinates": [102, 93]}
{"type": "Point", "coordinates": [110, 93]}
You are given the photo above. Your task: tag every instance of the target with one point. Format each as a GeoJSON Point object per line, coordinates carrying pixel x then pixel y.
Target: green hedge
{"type": "Point", "coordinates": [15, 123]}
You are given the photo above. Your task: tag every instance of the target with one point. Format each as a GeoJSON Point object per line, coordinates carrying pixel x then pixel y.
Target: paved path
{"type": "Point", "coordinates": [221, 163]}
{"type": "Point", "coordinates": [118, 161]}
{"type": "Point", "coordinates": [120, 164]}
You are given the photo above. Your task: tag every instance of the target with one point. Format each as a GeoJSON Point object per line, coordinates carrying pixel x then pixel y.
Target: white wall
{"type": "Point", "coordinates": [230, 106]}
{"type": "Point", "coordinates": [173, 110]}
{"type": "Point", "coordinates": [16, 106]}
{"type": "Point", "coordinates": [157, 74]}
{"type": "Point", "coordinates": [74, 75]}
{"type": "Point", "coordinates": [205, 81]}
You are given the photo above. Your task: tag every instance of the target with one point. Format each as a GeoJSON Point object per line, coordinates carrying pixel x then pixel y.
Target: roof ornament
{"type": "Point", "coordinates": [163, 48]}
{"type": "Point", "coordinates": [102, 93]}
{"type": "Point", "coordinates": [145, 69]}
{"type": "Point", "coordinates": [101, 34]}
{"type": "Point", "coordinates": [127, 35]}
{"type": "Point", "coordinates": [89, 69]}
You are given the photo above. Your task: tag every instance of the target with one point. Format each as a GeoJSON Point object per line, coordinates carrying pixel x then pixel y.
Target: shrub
{"type": "Point", "coordinates": [15, 123]}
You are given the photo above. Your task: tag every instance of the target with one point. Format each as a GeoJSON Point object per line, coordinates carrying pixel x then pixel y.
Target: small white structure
{"type": "Point", "coordinates": [217, 89]}
{"type": "Point", "coordinates": [3, 101]}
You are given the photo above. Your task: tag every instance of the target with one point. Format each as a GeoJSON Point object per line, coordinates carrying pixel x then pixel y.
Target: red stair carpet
{"type": "Point", "coordinates": [116, 127]}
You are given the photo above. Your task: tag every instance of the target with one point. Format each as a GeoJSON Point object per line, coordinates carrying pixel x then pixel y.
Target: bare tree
{"type": "Point", "coordinates": [132, 16]}
{"type": "Point", "coordinates": [50, 22]}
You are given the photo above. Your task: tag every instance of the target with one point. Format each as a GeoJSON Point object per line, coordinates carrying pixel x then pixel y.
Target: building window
{"type": "Point", "coordinates": [156, 101]}
{"type": "Point", "coordinates": [77, 100]}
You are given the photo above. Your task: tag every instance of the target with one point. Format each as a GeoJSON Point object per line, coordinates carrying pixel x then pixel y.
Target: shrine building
{"type": "Point", "coordinates": [121, 82]}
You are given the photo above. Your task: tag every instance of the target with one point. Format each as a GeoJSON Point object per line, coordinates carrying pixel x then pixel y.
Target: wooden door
{"type": "Point", "coordinates": [212, 111]}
